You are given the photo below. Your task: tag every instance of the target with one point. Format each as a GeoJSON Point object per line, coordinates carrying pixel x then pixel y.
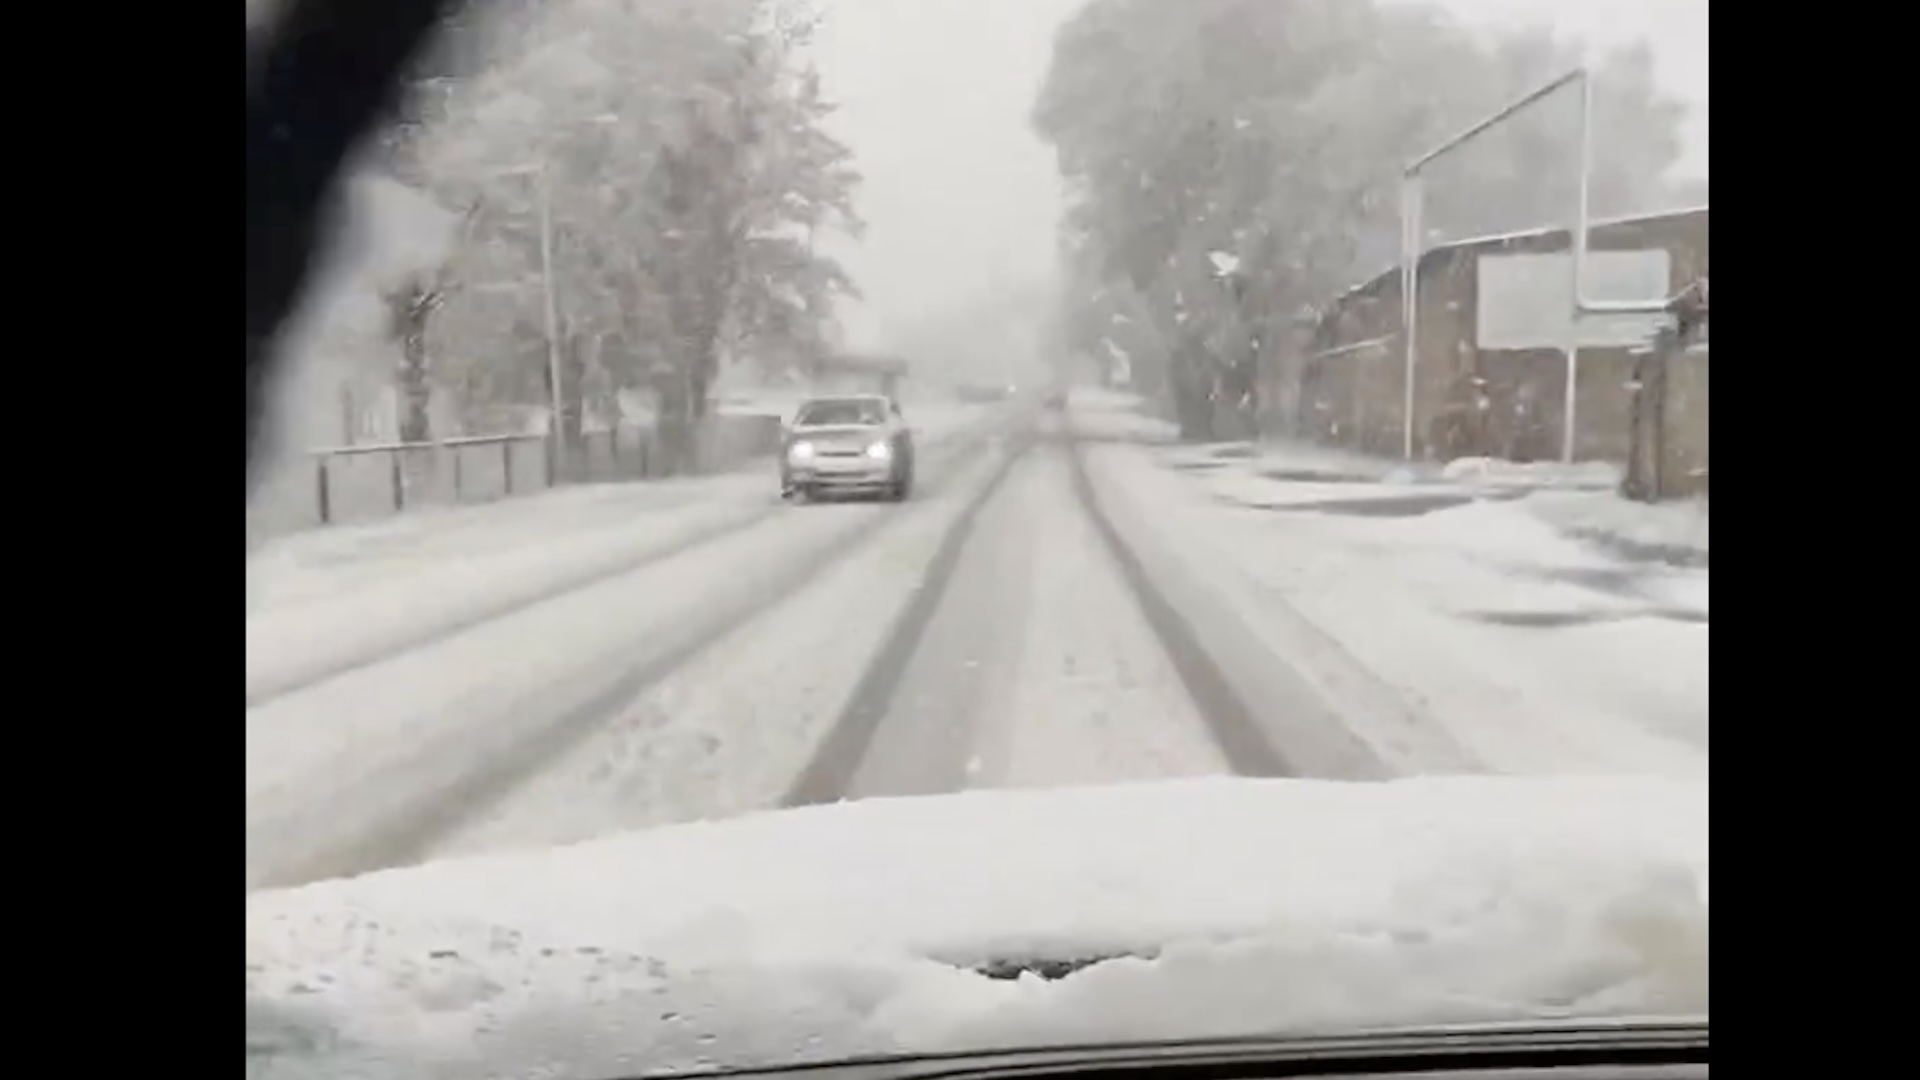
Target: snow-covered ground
{"type": "Point", "coordinates": [989, 634]}
{"type": "Point", "coordinates": [1037, 668]}
{"type": "Point", "coordinates": [1674, 532]}
{"type": "Point", "coordinates": [729, 731]}
{"type": "Point", "coordinates": [1442, 619]}
{"type": "Point", "coordinates": [421, 671]}
{"type": "Point", "coordinates": [337, 563]}
{"type": "Point", "coordinates": [1090, 697]}
{"type": "Point", "coordinates": [1038, 671]}
{"type": "Point", "coordinates": [338, 762]}
{"type": "Point", "coordinates": [327, 598]}
{"type": "Point", "coordinates": [321, 601]}
{"type": "Point", "coordinates": [455, 690]}
{"type": "Point", "coordinates": [1581, 500]}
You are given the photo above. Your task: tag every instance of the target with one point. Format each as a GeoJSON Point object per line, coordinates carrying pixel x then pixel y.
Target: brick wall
{"type": "Point", "coordinates": [1470, 401]}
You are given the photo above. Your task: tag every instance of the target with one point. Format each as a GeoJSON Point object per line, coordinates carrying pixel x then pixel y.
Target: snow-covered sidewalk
{"type": "Point", "coordinates": [1447, 623]}
{"type": "Point", "coordinates": [327, 600]}
{"type": "Point", "coordinates": [333, 563]}
{"type": "Point", "coordinates": [1581, 501]}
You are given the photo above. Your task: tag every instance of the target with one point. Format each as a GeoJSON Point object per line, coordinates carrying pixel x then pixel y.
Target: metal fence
{"type": "Point", "coordinates": [338, 485]}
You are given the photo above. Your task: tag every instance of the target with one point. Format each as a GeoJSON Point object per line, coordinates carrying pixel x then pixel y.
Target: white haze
{"type": "Point", "coordinates": [1676, 28]}
{"type": "Point", "coordinates": [961, 198]}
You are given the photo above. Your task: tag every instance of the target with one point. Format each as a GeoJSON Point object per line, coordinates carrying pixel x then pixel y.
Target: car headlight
{"type": "Point", "coordinates": [801, 451]}
{"type": "Point", "coordinates": [880, 450]}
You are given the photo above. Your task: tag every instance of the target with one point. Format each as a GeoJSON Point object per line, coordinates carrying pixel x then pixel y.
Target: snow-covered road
{"type": "Point", "coordinates": [1059, 604]}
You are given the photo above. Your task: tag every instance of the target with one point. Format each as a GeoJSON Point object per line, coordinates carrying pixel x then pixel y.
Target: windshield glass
{"type": "Point", "coordinates": [1275, 602]}
{"type": "Point", "coordinates": [853, 411]}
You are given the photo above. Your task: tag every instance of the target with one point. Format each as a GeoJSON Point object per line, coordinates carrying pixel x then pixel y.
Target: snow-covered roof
{"type": "Point", "coordinates": [1540, 232]}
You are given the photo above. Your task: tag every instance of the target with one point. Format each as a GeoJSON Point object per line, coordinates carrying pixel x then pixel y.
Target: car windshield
{"type": "Point", "coordinates": [800, 529]}
{"type": "Point", "coordinates": [847, 411]}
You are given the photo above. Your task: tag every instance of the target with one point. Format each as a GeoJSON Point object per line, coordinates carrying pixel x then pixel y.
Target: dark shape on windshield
{"type": "Point", "coordinates": [1049, 968]}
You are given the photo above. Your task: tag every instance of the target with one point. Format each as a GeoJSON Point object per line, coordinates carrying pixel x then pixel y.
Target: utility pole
{"type": "Point", "coordinates": [551, 302]}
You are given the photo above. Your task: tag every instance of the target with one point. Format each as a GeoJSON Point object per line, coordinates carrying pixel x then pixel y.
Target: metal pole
{"type": "Point", "coordinates": [1411, 209]}
{"type": "Point", "coordinates": [547, 288]}
{"type": "Point", "coordinates": [1410, 228]}
{"type": "Point", "coordinates": [1482, 125]}
{"type": "Point", "coordinates": [1577, 271]}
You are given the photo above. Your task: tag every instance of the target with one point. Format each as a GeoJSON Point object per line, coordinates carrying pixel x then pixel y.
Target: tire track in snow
{"type": "Point", "coordinates": [946, 452]}
{"type": "Point", "coordinates": [728, 732]}
{"type": "Point", "coordinates": [838, 759]}
{"type": "Point", "coordinates": [1084, 692]}
{"type": "Point", "coordinates": [410, 829]}
{"type": "Point", "coordinates": [1235, 726]}
{"type": "Point", "coordinates": [507, 606]}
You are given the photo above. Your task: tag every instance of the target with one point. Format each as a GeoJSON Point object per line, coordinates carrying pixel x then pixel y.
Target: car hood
{"type": "Point", "coordinates": [1191, 909]}
{"type": "Point", "coordinates": [838, 431]}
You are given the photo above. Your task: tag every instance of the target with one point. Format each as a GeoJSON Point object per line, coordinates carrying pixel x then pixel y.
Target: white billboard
{"type": "Point", "coordinates": [1526, 301]}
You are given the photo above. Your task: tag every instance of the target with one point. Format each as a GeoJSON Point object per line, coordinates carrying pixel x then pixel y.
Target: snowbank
{"type": "Point", "coordinates": [1486, 471]}
{"type": "Point", "coordinates": [330, 563]}
{"type": "Point", "coordinates": [1580, 500]}
{"type": "Point", "coordinates": [1245, 907]}
{"type": "Point", "coordinates": [386, 607]}
{"type": "Point", "coordinates": [1445, 629]}
{"type": "Point", "coordinates": [1583, 500]}
{"type": "Point", "coordinates": [1674, 532]}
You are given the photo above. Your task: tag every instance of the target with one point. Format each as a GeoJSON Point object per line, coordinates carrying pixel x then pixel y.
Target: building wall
{"type": "Point", "coordinates": [1683, 446]}
{"type": "Point", "coordinates": [1470, 401]}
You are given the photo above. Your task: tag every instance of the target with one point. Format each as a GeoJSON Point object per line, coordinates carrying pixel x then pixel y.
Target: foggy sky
{"type": "Point", "coordinates": [959, 195]}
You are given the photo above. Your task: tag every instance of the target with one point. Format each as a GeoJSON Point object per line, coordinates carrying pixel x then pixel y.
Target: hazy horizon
{"type": "Point", "coordinates": [961, 199]}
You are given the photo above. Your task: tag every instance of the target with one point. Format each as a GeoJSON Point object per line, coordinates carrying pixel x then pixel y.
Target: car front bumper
{"type": "Point", "coordinates": [864, 475]}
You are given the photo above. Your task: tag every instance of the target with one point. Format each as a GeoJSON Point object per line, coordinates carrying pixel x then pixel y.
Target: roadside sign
{"type": "Point", "coordinates": [1525, 301]}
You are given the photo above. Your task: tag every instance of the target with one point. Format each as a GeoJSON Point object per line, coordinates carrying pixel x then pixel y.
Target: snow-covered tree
{"type": "Point", "coordinates": [1274, 132]}
{"type": "Point", "coordinates": [676, 149]}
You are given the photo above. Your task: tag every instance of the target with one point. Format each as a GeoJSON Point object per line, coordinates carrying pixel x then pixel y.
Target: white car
{"type": "Point", "coordinates": [857, 445]}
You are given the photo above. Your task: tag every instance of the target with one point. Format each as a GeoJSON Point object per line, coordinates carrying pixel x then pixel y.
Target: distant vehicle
{"type": "Point", "coordinates": [1056, 399]}
{"type": "Point", "coordinates": [851, 445]}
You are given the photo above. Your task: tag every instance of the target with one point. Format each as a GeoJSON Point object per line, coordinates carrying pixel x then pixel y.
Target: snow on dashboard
{"type": "Point", "coordinates": [1236, 907]}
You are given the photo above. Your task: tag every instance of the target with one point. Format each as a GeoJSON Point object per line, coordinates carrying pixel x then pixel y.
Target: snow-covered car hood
{"type": "Point", "coordinates": [841, 432]}
{"type": "Point", "coordinates": [1232, 907]}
